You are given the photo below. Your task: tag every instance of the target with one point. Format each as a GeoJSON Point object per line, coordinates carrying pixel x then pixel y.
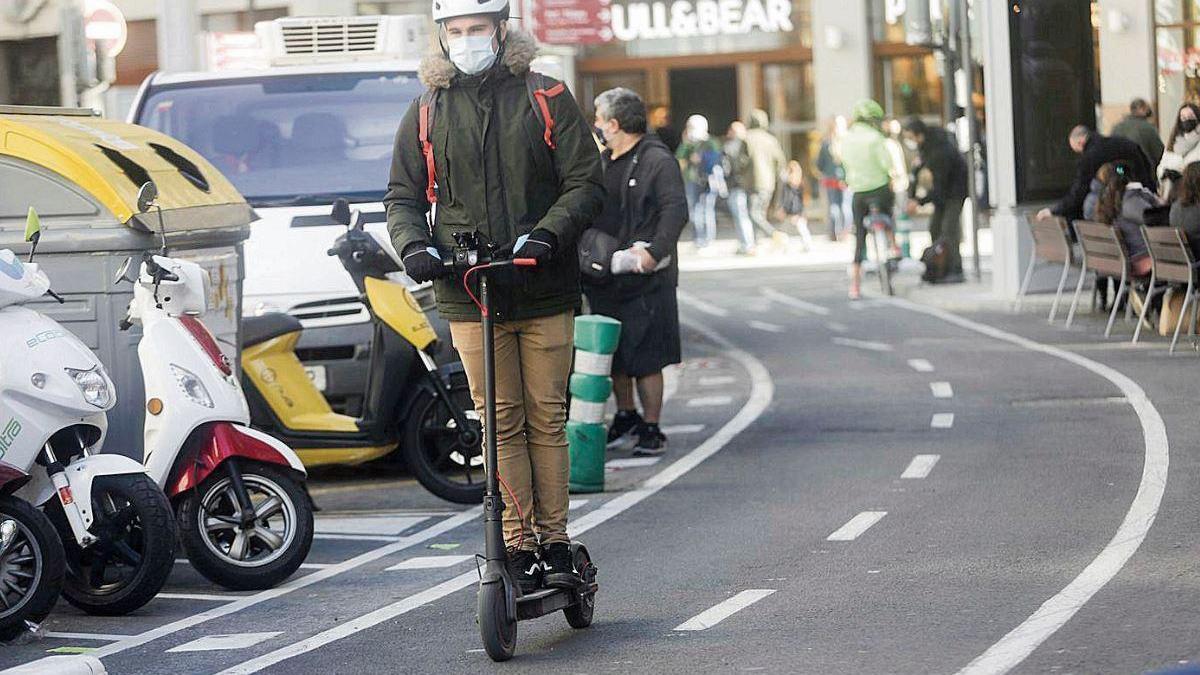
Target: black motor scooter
{"type": "Point", "coordinates": [500, 602]}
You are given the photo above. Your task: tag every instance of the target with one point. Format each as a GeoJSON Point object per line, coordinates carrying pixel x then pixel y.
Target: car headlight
{"type": "Point", "coordinates": [93, 385]}
{"type": "Point", "coordinates": [191, 385]}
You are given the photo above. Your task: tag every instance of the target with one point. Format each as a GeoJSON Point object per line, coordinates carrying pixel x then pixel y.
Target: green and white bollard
{"type": "Point", "coordinates": [596, 339]}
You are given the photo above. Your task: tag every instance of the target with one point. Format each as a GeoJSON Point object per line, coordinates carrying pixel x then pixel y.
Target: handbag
{"type": "Point", "coordinates": [596, 247]}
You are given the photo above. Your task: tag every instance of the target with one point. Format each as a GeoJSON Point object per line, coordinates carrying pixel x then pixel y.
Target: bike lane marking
{"type": "Point", "coordinates": [723, 610]}
{"type": "Point", "coordinates": [866, 345]}
{"type": "Point", "coordinates": [856, 526]}
{"type": "Point", "coordinates": [1021, 641]}
{"type": "Point", "coordinates": [920, 466]}
{"type": "Point", "coordinates": [942, 421]}
{"type": "Point", "coordinates": [920, 365]}
{"type": "Point", "coordinates": [941, 390]}
{"type": "Point", "coordinates": [762, 392]}
{"type": "Point", "coordinates": [795, 303]}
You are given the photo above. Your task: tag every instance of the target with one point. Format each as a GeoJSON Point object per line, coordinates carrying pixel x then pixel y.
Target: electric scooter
{"type": "Point", "coordinates": [500, 603]}
{"type": "Point", "coordinates": [244, 517]}
{"type": "Point", "coordinates": [411, 403]}
{"type": "Point", "coordinates": [116, 535]}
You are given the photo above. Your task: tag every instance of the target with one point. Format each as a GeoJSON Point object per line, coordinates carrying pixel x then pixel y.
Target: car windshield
{"type": "Point", "coordinates": [291, 140]}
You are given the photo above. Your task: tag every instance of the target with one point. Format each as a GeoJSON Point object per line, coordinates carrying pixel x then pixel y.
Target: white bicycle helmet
{"type": "Point", "coordinates": [449, 9]}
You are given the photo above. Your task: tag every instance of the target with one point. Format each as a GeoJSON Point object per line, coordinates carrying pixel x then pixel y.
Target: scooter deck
{"type": "Point", "coordinates": [550, 600]}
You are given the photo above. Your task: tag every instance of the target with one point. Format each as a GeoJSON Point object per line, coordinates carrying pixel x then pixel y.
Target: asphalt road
{"type": "Point", "coordinates": [866, 487]}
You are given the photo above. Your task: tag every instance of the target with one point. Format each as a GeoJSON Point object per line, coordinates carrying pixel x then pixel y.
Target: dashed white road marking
{"type": "Point", "coordinates": [367, 525]}
{"type": "Point", "coordinates": [709, 401]}
{"type": "Point", "coordinates": [920, 466]}
{"type": "Point", "coordinates": [576, 504]}
{"type": "Point", "coordinates": [766, 327]}
{"type": "Point", "coordinates": [942, 421]}
{"type": "Point", "coordinates": [98, 637]}
{"type": "Point", "coordinates": [215, 643]}
{"type": "Point", "coordinates": [204, 597]}
{"type": "Point", "coordinates": [862, 344]}
{"type": "Point", "coordinates": [630, 463]}
{"type": "Point", "coordinates": [856, 526]}
{"type": "Point", "coordinates": [795, 303]}
{"type": "Point", "coordinates": [723, 610]}
{"type": "Point", "coordinates": [717, 380]}
{"type": "Point", "coordinates": [920, 365]}
{"type": "Point", "coordinates": [429, 562]}
{"type": "Point", "coordinates": [356, 537]}
{"type": "Point", "coordinates": [700, 305]}
{"type": "Point", "coordinates": [837, 327]}
{"type": "Point", "coordinates": [762, 391]}
{"type": "Point", "coordinates": [682, 429]}
{"type": "Point", "coordinates": [1020, 642]}
{"type": "Point", "coordinates": [941, 389]}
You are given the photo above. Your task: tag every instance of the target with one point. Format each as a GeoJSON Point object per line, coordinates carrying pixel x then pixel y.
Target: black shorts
{"type": "Point", "coordinates": [650, 339]}
{"type": "Point", "coordinates": [861, 207]}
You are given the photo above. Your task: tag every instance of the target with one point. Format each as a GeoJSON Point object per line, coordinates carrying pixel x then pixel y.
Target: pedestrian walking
{"type": "Point", "coordinates": [791, 202]}
{"type": "Point", "coordinates": [739, 176]}
{"type": "Point", "coordinates": [1095, 151]}
{"type": "Point", "coordinates": [645, 209]}
{"type": "Point", "coordinates": [869, 168]}
{"type": "Point", "coordinates": [1183, 148]}
{"type": "Point", "coordinates": [503, 182]}
{"type": "Point", "coordinates": [939, 154]}
{"type": "Point", "coordinates": [1136, 127]}
{"type": "Point", "coordinates": [660, 124]}
{"type": "Point", "coordinates": [769, 161]}
{"type": "Point", "coordinates": [833, 176]}
{"type": "Point", "coordinates": [700, 159]}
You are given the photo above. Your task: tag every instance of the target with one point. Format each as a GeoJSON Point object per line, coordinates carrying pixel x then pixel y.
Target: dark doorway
{"type": "Point", "coordinates": [711, 92]}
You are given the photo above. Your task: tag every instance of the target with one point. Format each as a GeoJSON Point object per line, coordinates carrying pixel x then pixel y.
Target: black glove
{"type": "Point", "coordinates": [540, 246]}
{"type": "Point", "coordinates": [421, 265]}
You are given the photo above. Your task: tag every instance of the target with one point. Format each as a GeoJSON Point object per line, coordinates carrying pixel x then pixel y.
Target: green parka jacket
{"type": "Point", "coordinates": [497, 176]}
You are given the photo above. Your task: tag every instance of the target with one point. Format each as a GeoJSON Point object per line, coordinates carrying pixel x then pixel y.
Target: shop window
{"type": "Point", "coordinates": [1177, 43]}
{"type": "Point", "coordinates": [788, 92]}
{"type": "Point", "coordinates": [908, 85]}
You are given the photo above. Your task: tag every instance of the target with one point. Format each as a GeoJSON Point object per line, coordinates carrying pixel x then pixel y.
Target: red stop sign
{"type": "Point", "coordinates": [104, 24]}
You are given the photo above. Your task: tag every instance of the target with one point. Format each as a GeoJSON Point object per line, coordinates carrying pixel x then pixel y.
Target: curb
{"type": "Point", "coordinates": [60, 665]}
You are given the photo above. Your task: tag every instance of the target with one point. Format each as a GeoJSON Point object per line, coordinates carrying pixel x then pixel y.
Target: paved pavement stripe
{"type": "Point", "coordinates": [215, 643]}
{"type": "Point", "coordinates": [1020, 642]}
{"type": "Point", "coordinates": [942, 421]}
{"type": "Point", "coordinates": [717, 380]}
{"type": "Point", "coordinates": [295, 584]}
{"type": "Point", "coordinates": [762, 391]}
{"type": "Point", "coordinates": [702, 306]}
{"type": "Point", "coordinates": [856, 526]}
{"type": "Point", "coordinates": [98, 637]}
{"type": "Point", "coordinates": [920, 466]}
{"type": "Point", "coordinates": [429, 562]}
{"type": "Point", "coordinates": [766, 327]}
{"type": "Point", "coordinates": [941, 389]}
{"type": "Point", "coordinates": [868, 345]}
{"type": "Point", "coordinates": [709, 401]}
{"type": "Point", "coordinates": [718, 613]}
{"type": "Point", "coordinates": [795, 303]}
{"type": "Point", "coordinates": [920, 365]}
{"type": "Point", "coordinates": [682, 429]}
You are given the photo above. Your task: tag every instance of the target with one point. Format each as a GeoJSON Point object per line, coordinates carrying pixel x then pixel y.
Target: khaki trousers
{"type": "Point", "coordinates": [533, 363]}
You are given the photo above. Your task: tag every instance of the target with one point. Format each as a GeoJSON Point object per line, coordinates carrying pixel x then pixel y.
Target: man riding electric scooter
{"type": "Point", "coordinates": [503, 152]}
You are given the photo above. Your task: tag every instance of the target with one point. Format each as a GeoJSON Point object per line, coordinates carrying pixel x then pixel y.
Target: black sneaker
{"type": "Point", "coordinates": [558, 566]}
{"type": "Point", "coordinates": [624, 424]}
{"type": "Point", "coordinates": [651, 441]}
{"type": "Point", "coordinates": [525, 570]}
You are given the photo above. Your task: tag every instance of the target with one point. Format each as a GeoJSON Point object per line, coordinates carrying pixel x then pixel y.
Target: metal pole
{"type": "Point", "coordinates": [963, 9]}
{"type": "Point", "coordinates": [178, 26]}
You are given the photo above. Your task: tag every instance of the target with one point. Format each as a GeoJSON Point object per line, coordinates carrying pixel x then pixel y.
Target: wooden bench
{"type": "Point", "coordinates": [1173, 264]}
{"type": "Point", "coordinates": [1051, 246]}
{"type": "Point", "coordinates": [1105, 255]}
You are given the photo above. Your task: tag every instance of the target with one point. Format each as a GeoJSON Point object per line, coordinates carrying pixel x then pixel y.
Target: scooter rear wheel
{"type": "Point", "coordinates": [31, 568]}
{"type": "Point", "coordinates": [580, 614]}
{"type": "Point", "coordinates": [498, 632]}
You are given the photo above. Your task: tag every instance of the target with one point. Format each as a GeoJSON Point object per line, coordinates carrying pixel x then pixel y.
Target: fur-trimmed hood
{"type": "Point", "coordinates": [520, 49]}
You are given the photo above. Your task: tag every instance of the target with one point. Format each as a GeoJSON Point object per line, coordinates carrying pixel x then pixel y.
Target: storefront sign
{"type": "Point", "coordinates": [570, 22]}
{"type": "Point", "coordinates": [696, 18]}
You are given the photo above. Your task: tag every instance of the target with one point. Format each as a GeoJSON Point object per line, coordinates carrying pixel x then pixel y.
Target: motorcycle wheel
{"type": "Point", "coordinates": [130, 562]}
{"type": "Point", "coordinates": [498, 633]}
{"type": "Point", "coordinates": [254, 558]}
{"type": "Point", "coordinates": [31, 568]}
{"type": "Point", "coordinates": [432, 449]}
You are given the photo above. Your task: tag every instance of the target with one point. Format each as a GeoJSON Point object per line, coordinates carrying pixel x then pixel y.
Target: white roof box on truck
{"type": "Point", "coordinates": [293, 41]}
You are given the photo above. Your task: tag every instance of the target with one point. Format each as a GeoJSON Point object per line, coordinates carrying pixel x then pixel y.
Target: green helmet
{"type": "Point", "coordinates": [867, 110]}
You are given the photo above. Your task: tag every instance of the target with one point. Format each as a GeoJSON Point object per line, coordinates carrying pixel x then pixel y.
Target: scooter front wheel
{"type": "Point", "coordinates": [498, 632]}
{"type": "Point", "coordinates": [31, 567]}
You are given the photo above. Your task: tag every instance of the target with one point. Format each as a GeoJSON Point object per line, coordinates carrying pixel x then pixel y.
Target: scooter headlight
{"type": "Point", "coordinates": [93, 385]}
{"type": "Point", "coordinates": [191, 385]}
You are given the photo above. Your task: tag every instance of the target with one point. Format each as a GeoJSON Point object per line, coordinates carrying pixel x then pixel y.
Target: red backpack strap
{"type": "Point", "coordinates": [424, 128]}
{"type": "Point", "coordinates": [539, 97]}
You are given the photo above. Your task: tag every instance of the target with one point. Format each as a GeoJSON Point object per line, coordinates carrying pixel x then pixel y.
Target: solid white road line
{"type": "Point", "coordinates": [762, 391]}
{"type": "Point", "coordinates": [630, 463]}
{"type": "Point", "coordinates": [766, 327]}
{"type": "Point", "coordinates": [98, 637]}
{"type": "Point", "coordinates": [721, 611]}
{"type": "Point", "coordinates": [1020, 642]}
{"type": "Point", "coordinates": [215, 643]}
{"type": "Point", "coordinates": [700, 305]}
{"type": "Point", "coordinates": [355, 537]}
{"type": "Point", "coordinates": [709, 401]}
{"type": "Point", "coordinates": [429, 562]}
{"type": "Point", "coordinates": [862, 344]}
{"type": "Point", "coordinates": [717, 380]}
{"type": "Point", "coordinates": [794, 303]}
{"type": "Point", "coordinates": [920, 365]}
{"type": "Point", "coordinates": [205, 597]}
{"type": "Point", "coordinates": [682, 429]}
{"type": "Point", "coordinates": [942, 421]}
{"type": "Point", "coordinates": [295, 584]}
{"type": "Point", "coordinates": [920, 466]}
{"type": "Point", "coordinates": [857, 525]}
{"type": "Point", "coordinates": [941, 389]}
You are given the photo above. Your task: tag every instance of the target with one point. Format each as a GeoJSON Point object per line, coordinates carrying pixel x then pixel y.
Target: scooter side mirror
{"type": "Point", "coordinates": [123, 272]}
{"type": "Point", "coordinates": [146, 196]}
{"type": "Point", "coordinates": [341, 211]}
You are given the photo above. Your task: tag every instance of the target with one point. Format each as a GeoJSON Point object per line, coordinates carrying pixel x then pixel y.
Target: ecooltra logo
{"type": "Point", "coordinates": [8, 435]}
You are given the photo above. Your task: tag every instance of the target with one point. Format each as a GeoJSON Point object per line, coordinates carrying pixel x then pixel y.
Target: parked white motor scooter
{"type": "Point", "coordinates": [114, 523]}
{"type": "Point", "coordinates": [244, 516]}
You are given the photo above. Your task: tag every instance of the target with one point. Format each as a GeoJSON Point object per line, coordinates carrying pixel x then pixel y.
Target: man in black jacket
{"type": "Point", "coordinates": [646, 210]}
{"type": "Point", "coordinates": [1095, 151]}
{"type": "Point", "coordinates": [940, 155]}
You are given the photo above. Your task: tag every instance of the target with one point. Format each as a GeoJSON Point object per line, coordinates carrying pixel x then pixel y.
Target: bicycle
{"type": "Point", "coordinates": [879, 226]}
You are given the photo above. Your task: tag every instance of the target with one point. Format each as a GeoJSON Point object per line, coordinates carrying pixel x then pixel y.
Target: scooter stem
{"type": "Point", "coordinates": [493, 505]}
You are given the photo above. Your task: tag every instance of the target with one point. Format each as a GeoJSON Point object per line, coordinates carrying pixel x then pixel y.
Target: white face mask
{"type": "Point", "coordinates": [472, 54]}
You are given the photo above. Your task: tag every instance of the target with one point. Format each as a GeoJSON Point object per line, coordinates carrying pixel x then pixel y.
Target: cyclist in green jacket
{"type": "Point", "coordinates": [868, 166]}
